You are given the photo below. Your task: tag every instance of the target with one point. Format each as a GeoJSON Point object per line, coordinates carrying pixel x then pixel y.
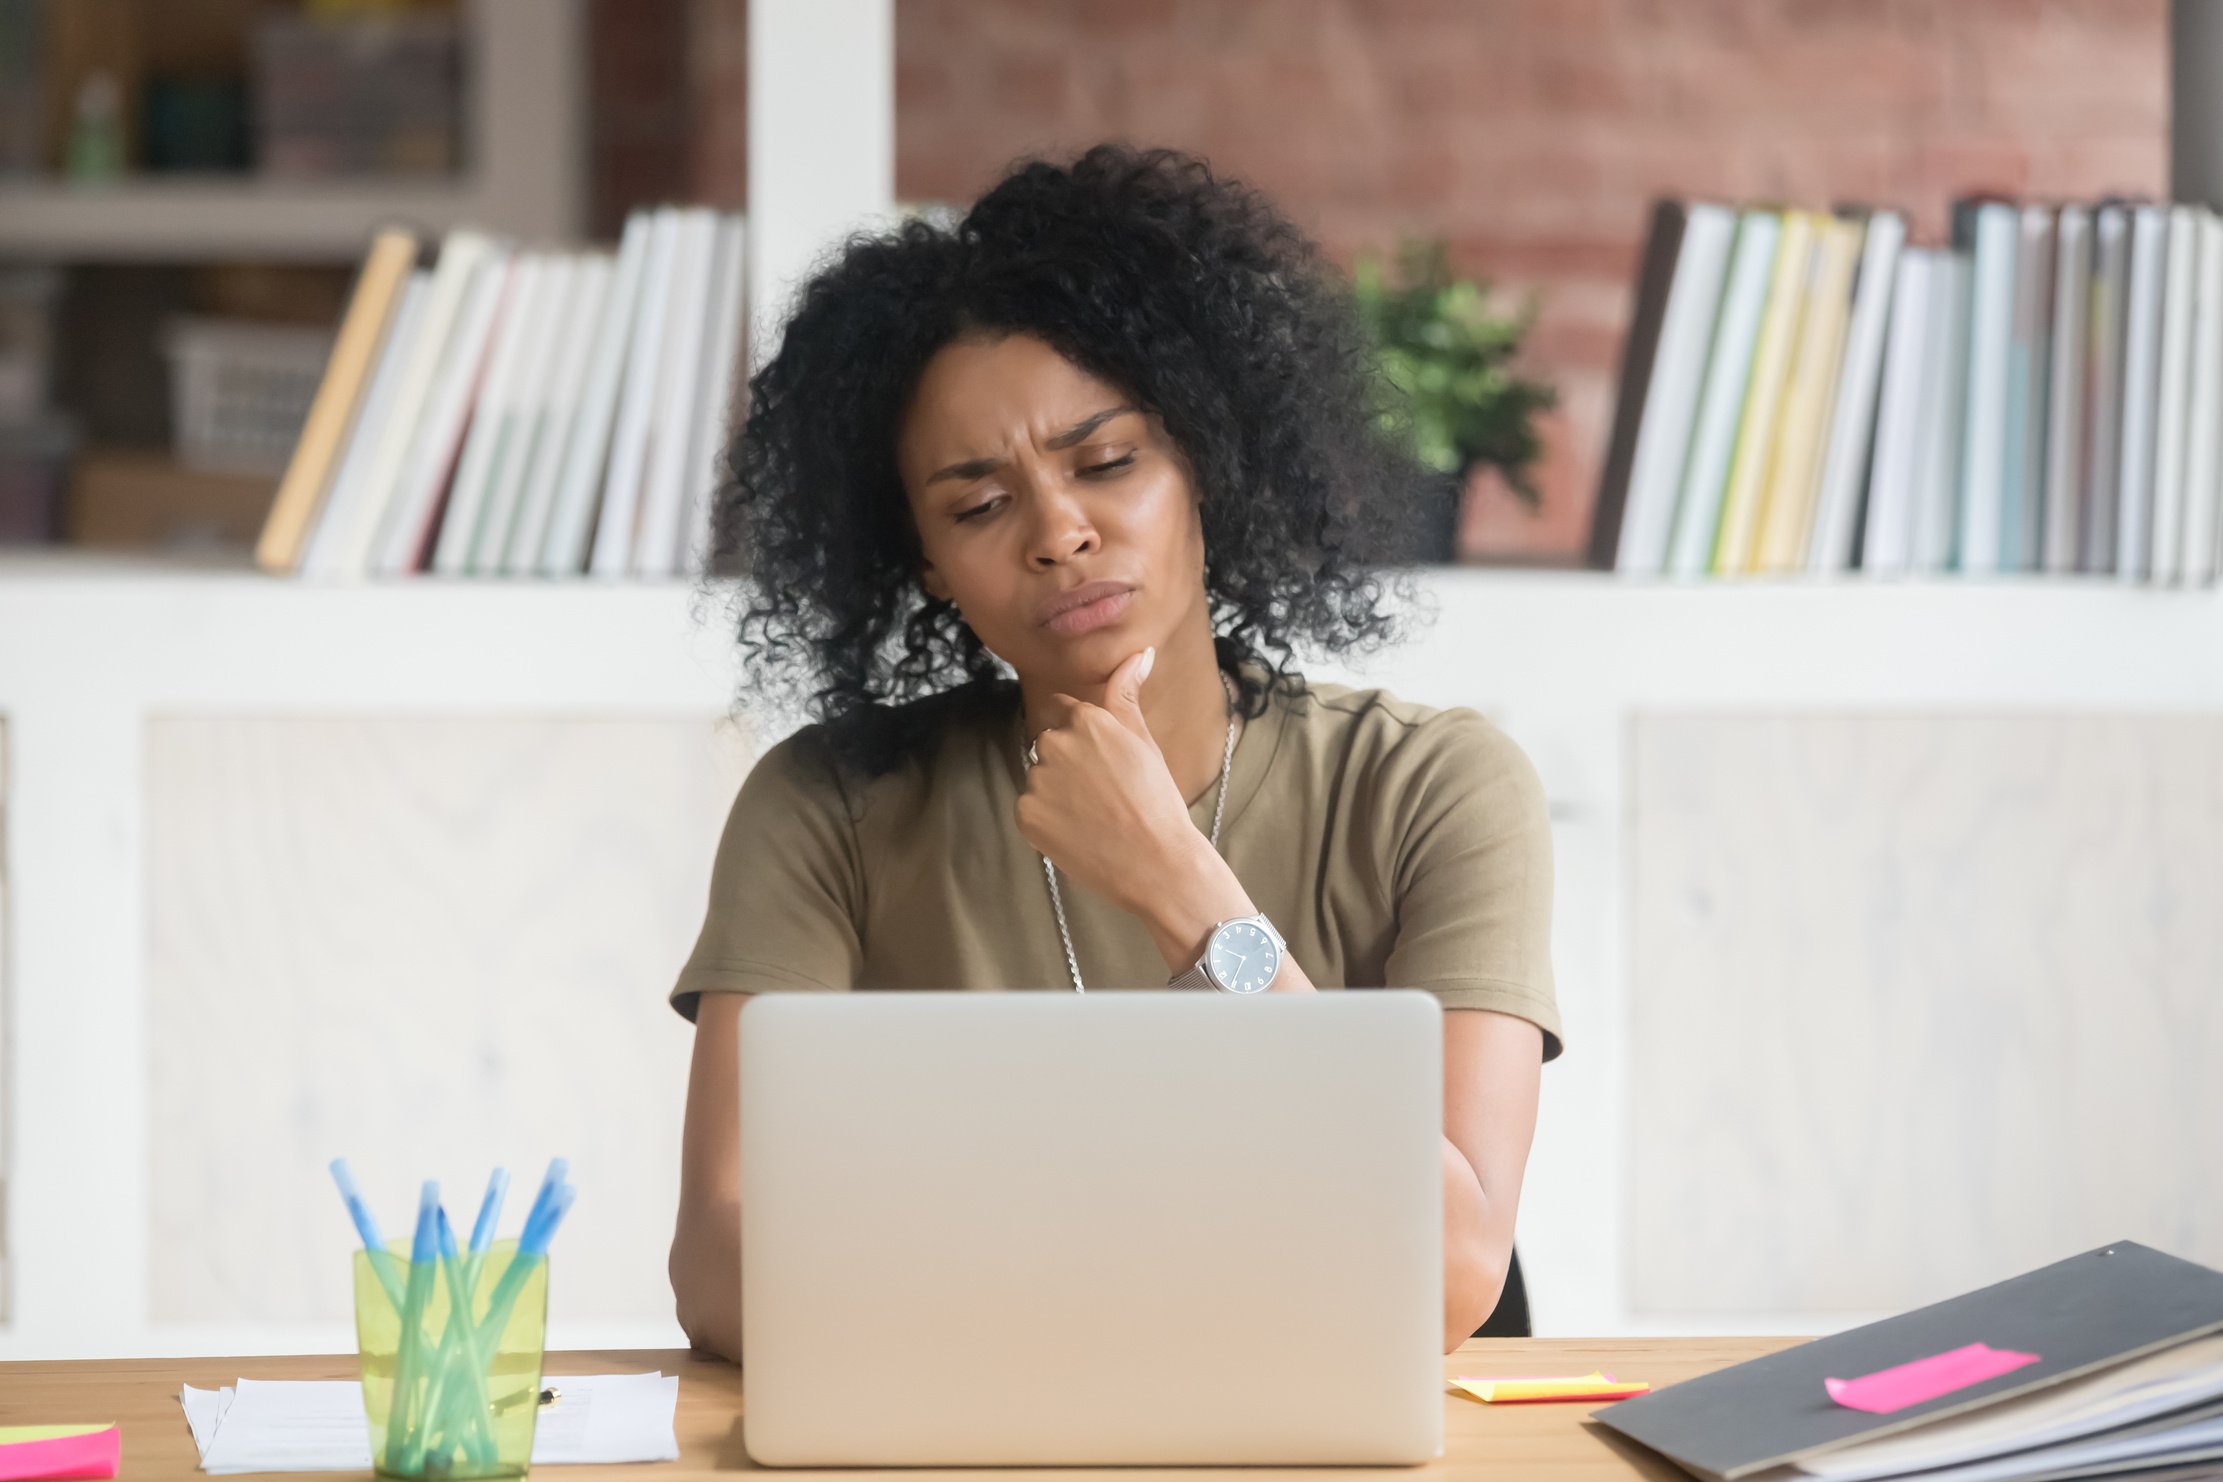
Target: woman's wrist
{"type": "Point", "coordinates": [1189, 894]}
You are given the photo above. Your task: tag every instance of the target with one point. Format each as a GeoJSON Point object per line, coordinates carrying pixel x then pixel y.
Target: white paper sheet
{"type": "Point", "coordinates": [200, 1415]}
{"type": "Point", "coordinates": [319, 1426]}
{"type": "Point", "coordinates": [2153, 1384]}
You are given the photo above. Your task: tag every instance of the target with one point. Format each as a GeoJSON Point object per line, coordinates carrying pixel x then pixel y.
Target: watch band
{"type": "Point", "coordinates": [1195, 977]}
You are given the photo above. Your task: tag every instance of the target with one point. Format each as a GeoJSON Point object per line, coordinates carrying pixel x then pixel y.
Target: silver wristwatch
{"type": "Point", "coordinates": [1242, 955]}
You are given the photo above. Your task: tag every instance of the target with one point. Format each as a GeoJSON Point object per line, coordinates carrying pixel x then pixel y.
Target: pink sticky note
{"type": "Point", "coordinates": [92, 1454]}
{"type": "Point", "coordinates": [1896, 1388]}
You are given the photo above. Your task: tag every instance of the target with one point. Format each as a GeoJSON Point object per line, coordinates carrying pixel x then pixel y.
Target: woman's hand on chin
{"type": "Point", "coordinates": [1100, 802]}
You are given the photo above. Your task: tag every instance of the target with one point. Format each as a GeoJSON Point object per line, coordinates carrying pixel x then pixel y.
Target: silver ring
{"type": "Point", "coordinates": [1032, 756]}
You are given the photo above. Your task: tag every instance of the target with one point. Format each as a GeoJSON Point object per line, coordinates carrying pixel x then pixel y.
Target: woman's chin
{"type": "Point", "coordinates": [1087, 659]}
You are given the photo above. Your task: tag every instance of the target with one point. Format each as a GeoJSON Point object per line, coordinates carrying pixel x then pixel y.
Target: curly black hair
{"type": "Point", "coordinates": [1187, 292]}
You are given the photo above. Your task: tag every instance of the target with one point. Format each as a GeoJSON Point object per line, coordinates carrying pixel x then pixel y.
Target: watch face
{"type": "Point", "coordinates": [1243, 958]}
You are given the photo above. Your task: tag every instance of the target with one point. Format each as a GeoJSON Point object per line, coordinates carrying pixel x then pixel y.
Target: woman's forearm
{"type": "Point", "coordinates": [1476, 1252]}
{"type": "Point", "coordinates": [1202, 891]}
{"type": "Point", "coordinates": [1190, 896]}
{"type": "Point", "coordinates": [706, 1278]}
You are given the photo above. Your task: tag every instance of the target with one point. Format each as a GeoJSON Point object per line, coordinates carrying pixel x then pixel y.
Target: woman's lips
{"type": "Point", "coordinates": [1077, 620]}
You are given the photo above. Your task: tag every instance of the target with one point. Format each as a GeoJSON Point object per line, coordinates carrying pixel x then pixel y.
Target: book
{"type": "Point", "coordinates": [667, 479]}
{"type": "Point", "coordinates": [628, 466]}
{"type": "Point", "coordinates": [1663, 364]}
{"type": "Point", "coordinates": [490, 442]}
{"type": "Point", "coordinates": [1787, 500]}
{"type": "Point", "coordinates": [2029, 357]}
{"type": "Point", "coordinates": [341, 510]}
{"type": "Point", "coordinates": [2103, 386]}
{"type": "Point", "coordinates": [1737, 542]}
{"type": "Point", "coordinates": [2203, 459]}
{"type": "Point", "coordinates": [1987, 231]}
{"type": "Point", "coordinates": [586, 450]}
{"type": "Point", "coordinates": [1937, 500]}
{"type": "Point", "coordinates": [339, 399]}
{"type": "Point", "coordinates": [1640, 344]}
{"type": "Point", "coordinates": [2134, 485]}
{"type": "Point", "coordinates": [556, 414]}
{"type": "Point", "coordinates": [2061, 514]}
{"type": "Point", "coordinates": [1721, 398]}
{"type": "Point", "coordinates": [2038, 405]}
{"type": "Point", "coordinates": [2172, 395]}
{"type": "Point", "coordinates": [722, 349]}
{"type": "Point", "coordinates": [412, 514]}
{"type": "Point", "coordinates": [521, 422]}
{"type": "Point", "coordinates": [2091, 1352]}
{"type": "Point", "coordinates": [1887, 544]}
{"type": "Point", "coordinates": [461, 252]}
{"type": "Point", "coordinates": [1853, 420]}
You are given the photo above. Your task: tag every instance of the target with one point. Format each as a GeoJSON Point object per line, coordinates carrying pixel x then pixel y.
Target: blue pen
{"type": "Point", "coordinates": [459, 1409]}
{"type": "Point", "coordinates": [535, 1241]}
{"type": "Point", "coordinates": [558, 1170]}
{"type": "Point", "coordinates": [409, 1359]}
{"type": "Point", "coordinates": [548, 1187]}
{"type": "Point", "coordinates": [490, 1210]}
{"type": "Point", "coordinates": [482, 1229]}
{"type": "Point", "coordinates": [532, 1247]}
{"type": "Point", "coordinates": [381, 1259]}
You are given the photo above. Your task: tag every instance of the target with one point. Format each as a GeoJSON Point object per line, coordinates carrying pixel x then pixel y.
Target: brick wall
{"type": "Point", "coordinates": [1531, 133]}
{"type": "Point", "coordinates": [667, 93]}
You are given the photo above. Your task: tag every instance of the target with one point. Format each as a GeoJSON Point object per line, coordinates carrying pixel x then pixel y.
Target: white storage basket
{"type": "Point", "coordinates": [240, 390]}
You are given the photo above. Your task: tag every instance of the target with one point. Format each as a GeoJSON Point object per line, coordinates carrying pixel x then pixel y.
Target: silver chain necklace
{"type": "Point", "coordinates": [1219, 808]}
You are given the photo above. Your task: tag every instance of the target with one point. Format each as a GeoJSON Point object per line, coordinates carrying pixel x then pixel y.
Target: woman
{"type": "Point", "coordinates": [1035, 509]}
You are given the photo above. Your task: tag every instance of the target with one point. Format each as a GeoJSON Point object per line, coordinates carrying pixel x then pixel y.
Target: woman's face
{"type": "Point", "coordinates": [1030, 480]}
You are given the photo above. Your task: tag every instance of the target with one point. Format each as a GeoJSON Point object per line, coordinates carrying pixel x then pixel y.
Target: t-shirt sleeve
{"type": "Point", "coordinates": [1471, 871]}
{"type": "Point", "coordinates": [785, 892]}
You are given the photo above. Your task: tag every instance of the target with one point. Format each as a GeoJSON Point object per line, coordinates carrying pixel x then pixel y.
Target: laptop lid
{"type": "Point", "coordinates": [1122, 1228]}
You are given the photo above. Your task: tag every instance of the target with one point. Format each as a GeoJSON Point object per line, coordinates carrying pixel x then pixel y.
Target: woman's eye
{"type": "Point", "coordinates": [979, 509]}
{"type": "Point", "coordinates": [1110, 465]}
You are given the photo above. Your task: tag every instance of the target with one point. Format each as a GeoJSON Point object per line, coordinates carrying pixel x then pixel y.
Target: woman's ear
{"type": "Point", "coordinates": [930, 581]}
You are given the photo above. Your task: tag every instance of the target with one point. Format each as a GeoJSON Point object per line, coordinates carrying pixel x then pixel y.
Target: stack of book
{"type": "Point", "coordinates": [1808, 392]}
{"type": "Point", "coordinates": [2107, 1364]}
{"type": "Point", "coordinates": [514, 412]}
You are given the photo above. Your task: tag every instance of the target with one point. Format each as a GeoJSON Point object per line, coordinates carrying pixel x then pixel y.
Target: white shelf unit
{"type": "Point", "coordinates": [91, 649]}
{"type": "Point", "coordinates": [524, 142]}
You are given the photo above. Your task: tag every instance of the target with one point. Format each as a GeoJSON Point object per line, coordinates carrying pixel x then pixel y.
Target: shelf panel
{"type": "Point", "coordinates": [1520, 644]}
{"type": "Point", "coordinates": [189, 218]}
{"type": "Point", "coordinates": [524, 130]}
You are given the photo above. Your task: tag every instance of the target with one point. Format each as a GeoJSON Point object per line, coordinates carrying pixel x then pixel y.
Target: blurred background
{"type": "Point", "coordinates": [1883, 924]}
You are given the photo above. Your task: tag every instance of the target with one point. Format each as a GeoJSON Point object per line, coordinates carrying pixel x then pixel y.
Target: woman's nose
{"type": "Point", "coordinates": [1061, 526]}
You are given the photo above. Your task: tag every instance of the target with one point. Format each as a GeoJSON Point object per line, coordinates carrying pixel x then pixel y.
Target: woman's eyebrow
{"type": "Point", "coordinates": [1085, 426]}
{"type": "Point", "coordinates": [973, 468]}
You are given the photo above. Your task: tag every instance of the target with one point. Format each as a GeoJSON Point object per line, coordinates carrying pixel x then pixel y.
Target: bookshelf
{"type": "Point", "coordinates": [523, 127]}
{"type": "Point", "coordinates": [1567, 662]}
{"type": "Point", "coordinates": [95, 651]}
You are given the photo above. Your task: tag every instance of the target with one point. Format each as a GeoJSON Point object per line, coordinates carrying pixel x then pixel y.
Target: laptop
{"type": "Point", "coordinates": [1128, 1228]}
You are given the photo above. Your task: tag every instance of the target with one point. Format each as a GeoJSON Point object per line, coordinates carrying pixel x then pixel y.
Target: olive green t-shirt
{"type": "Point", "coordinates": [1391, 844]}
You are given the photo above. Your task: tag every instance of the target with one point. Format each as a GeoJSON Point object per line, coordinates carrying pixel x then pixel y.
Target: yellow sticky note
{"type": "Point", "coordinates": [1528, 1389]}
{"type": "Point", "coordinates": [12, 1434]}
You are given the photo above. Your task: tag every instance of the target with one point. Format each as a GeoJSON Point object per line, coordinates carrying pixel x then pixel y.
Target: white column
{"type": "Point", "coordinates": [526, 116]}
{"type": "Point", "coordinates": [821, 141]}
{"type": "Point", "coordinates": [76, 1071]}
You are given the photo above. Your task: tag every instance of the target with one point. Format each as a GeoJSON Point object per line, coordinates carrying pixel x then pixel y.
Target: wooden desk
{"type": "Point", "coordinates": [1502, 1443]}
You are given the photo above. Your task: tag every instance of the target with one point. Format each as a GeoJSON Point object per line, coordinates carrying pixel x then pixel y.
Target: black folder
{"type": "Point", "coordinates": [2085, 1313]}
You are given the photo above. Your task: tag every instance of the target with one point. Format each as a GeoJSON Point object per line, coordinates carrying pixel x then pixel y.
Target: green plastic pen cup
{"type": "Point", "coordinates": [460, 1400]}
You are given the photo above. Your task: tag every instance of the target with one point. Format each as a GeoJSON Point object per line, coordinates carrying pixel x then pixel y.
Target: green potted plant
{"type": "Point", "coordinates": [1447, 355]}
